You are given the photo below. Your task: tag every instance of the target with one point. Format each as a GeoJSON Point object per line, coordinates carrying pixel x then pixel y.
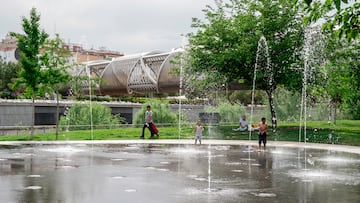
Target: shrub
{"type": "Point", "coordinates": [229, 113]}
{"type": "Point", "coordinates": [78, 117]}
{"type": "Point", "coordinates": [161, 113]}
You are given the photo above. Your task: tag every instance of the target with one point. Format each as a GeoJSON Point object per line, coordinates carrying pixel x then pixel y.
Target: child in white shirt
{"type": "Point", "coordinates": [198, 131]}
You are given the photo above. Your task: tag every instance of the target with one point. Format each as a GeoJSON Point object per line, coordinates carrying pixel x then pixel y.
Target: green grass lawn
{"type": "Point", "coordinates": [345, 132]}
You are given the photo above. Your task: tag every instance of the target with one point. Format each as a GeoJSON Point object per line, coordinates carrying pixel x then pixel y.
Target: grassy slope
{"type": "Point", "coordinates": [347, 131]}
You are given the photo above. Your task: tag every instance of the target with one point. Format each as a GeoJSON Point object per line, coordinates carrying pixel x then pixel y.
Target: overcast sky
{"type": "Point", "coordinates": [127, 26]}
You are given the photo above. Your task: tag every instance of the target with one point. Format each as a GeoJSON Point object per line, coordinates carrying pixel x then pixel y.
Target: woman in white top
{"type": "Point", "coordinates": [243, 124]}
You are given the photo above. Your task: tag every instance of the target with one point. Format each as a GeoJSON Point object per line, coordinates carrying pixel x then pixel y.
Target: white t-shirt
{"type": "Point", "coordinates": [199, 129]}
{"type": "Point", "coordinates": [243, 123]}
{"type": "Point", "coordinates": [148, 117]}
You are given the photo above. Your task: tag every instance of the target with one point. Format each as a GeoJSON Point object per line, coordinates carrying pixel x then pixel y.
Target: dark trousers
{"type": "Point", "coordinates": [262, 137]}
{"type": "Point", "coordinates": [147, 126]}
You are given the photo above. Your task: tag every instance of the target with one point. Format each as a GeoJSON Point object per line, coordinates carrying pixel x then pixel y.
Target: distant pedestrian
{"type": "Point", "coordinates": [148, 122]}
{"type": "Point", "coordinates": [198, 131]}
{"type": "Point", "coordinates": [263, 127]}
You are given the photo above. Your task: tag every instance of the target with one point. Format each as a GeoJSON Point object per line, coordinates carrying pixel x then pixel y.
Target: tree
{"type": "Point", "coordinates": [281, 26]}
{"type": "Point", "coordinates": [8, 73]}
{"type": "Point", "coordinates": [335, 73]}
{"type": "Point", "coordinates": [343, 76]}
{"type": "Point", "coordinates": [339, 15]}
{"type": "Point", "coordinates": [29, 45]}
{"type": "Point", "coordinates": [54, 73]}
{"type": "Point", "coordinates": [224, 46]}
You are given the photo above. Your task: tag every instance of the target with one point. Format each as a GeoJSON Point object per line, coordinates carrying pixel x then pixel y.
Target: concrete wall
{"type": "Point", "coordinates": [15, 113]}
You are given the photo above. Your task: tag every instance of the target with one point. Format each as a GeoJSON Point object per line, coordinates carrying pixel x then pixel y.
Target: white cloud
{"type": "Point", "coordinates": [128, 26]}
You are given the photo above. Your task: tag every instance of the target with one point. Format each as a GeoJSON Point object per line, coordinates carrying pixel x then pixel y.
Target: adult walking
{"type": "Point", "coordinates": [148, 122]}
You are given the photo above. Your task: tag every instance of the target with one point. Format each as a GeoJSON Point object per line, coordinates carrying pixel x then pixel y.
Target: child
{"type": "Point", "coordinates": [262, 132]}
{"type": "Point", "coordinates": [198, 131]}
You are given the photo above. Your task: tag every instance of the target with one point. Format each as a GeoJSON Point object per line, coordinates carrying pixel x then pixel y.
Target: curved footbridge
{"type": "Point", "coordinates": [152, 72]}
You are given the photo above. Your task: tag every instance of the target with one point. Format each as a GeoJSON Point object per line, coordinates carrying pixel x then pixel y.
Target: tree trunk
{"type": "Point", "coordinates": [57, 115]}
{"type": "Point", "coordinates": [32, 116]}
{"type": "Point", "coordinates": [335, 107]}
{"type": "Point", "coordinates": [272, 109]}
{"type": "Point", "coordinates": [330, 111]}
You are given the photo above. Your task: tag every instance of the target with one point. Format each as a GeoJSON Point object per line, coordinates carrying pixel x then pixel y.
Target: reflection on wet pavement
{"type": "Point", "coordinates": [176, 173]}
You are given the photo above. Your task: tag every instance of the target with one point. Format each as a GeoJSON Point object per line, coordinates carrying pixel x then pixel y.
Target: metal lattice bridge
{"type": "Point", "coordinates": [151, 72]}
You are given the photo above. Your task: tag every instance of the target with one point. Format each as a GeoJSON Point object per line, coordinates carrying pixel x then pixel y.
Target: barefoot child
{"type": "Point", "coordinates": [262, 132]}
{"type": "Point", "coordinates": [198, 131]}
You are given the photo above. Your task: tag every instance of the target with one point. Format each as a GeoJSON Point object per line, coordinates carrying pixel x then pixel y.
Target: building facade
{"type": "Point", "coordinates": [9, 52]}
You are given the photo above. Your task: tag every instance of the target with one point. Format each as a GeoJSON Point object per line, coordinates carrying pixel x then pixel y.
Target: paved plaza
{"type": "Point", "coordinates": [177, 171]}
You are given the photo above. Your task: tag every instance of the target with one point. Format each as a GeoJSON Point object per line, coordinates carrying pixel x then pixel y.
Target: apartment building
{"type": "Point", "coordinates": [9, 52]}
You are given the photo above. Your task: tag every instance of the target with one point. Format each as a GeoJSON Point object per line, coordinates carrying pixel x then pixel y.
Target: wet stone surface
{"type": "Point", "coordinates": [176, 173]}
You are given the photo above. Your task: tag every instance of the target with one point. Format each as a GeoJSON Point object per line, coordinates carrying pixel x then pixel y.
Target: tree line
{"type": "Point", "coordinates": [224, 49]}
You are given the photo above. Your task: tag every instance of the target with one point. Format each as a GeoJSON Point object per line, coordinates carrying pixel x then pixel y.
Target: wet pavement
{"type": "Point", "coordinates": [177, 171]}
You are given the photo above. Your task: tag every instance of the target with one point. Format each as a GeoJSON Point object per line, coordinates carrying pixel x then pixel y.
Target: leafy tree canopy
{"type": "Point", "coordinates": [224, 47]}
{"type": "Point", "coordinates": [339, 15]}
{"type": "Point", "coordinates": [8, 74]}
{"type": "Point", "coordinates": [29, 44]}
{"type": "Point", "coordinates": [54, 65]}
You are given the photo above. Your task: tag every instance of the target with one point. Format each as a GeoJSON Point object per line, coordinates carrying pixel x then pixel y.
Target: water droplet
{"type": "Point", "coordinates": [33, 187]}
{"type": "Point", "coordinates": [34, 176]}
{"type": "Point", "coordinates": [130, 190]}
